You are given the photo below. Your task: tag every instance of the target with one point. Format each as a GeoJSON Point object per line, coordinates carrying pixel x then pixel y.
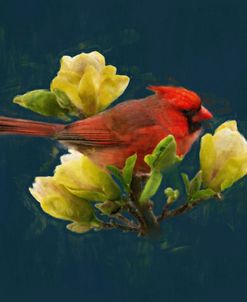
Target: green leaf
{"type": "Point", "coordinates": [65, 103]}
{"type": "Point", "coordinates": [168, 192]}
{"type": "Point", "coordinates": [195, 183]}
{"type": "Point", "coordinates": [151, 186]}
{"type": "Point", "coordinates": [164, 155]}
{"type": "Point", "coordinates": [171, 195]}
{"type": "Point", "coordinates": [43, 102]}
{"type": "Point", "coordinates": [128, 169]}
{"type": "Point", "coordinates": [109, 207]}
{"type": "Point", "coordinates": [62, 98]}
{"type": "Point", "coordinates": [79, 227]}
{"type": "Point", "coordinates": [116, 173]}
{"type": "Point", "coordinates": [202, 195]}
{"type": "Point", "coordinates": [186, 183]}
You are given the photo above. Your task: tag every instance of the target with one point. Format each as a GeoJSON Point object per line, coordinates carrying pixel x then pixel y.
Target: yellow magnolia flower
{"type": "Point", "coordinates": [89, 84]}
{"type": "Point", "coordinates": [58, 202]}
{"type": "Point", "coordinates": [223, 157]}
{"type": "Point", "coordinates": [85, 179]}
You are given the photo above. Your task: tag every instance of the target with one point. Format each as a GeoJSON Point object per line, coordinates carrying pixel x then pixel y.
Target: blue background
{"type": "Point", "coordinates": [201, 256]}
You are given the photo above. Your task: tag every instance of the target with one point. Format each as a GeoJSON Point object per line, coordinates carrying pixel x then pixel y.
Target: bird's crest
{"type": "Point", "coordinates": [178, 96]}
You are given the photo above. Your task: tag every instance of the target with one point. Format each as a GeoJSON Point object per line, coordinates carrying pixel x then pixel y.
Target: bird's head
{"type": "Point", "coordinates": [187, 102]}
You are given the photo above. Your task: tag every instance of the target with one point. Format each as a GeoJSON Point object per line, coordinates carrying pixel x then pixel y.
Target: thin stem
{"type": "Point", "coordinates": [183, 208]}
{"type": "Point", "coordinates": [163, 213]}
{"type": "Point", "coordinates": [131, 208]}
{"type": "Point", "coordinates": [112, 225]}
{"type": "Point", "coordinates": [124, 220]}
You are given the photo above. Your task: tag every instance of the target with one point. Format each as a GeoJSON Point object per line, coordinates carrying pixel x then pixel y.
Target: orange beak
{"type": "Point", "coordinates": [202, 115]}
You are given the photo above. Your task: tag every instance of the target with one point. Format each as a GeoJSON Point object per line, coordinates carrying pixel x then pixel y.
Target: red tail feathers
{"type": "Point", "coordinates": [27, 127]}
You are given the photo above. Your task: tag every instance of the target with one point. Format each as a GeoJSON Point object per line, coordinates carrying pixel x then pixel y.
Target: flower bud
{"type": "Point", "coordinates": [89, 84]}
{"type": "Point", "coordinates": [223, 157]}
{"type": "Point", "coordinates": [58, 202]}
{"type": "Point", "coordinates": [78, 174]}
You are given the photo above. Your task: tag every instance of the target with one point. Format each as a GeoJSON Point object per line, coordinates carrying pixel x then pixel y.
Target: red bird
{"type": "Point", "coordinates": [134, 126]}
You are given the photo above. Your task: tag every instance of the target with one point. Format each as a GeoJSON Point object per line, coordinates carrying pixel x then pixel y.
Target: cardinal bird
{"type": "Point", "coordinates": [134, 126]}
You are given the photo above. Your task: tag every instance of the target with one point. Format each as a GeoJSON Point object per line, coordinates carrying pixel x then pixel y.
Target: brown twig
{"type": "Point", "coordinates": [124, 220]}
{"type": "Point", "coordinates": [131, 208]}
{"type": "Point", "coordinates": [163, 213]}
{"type": "Point", "coordinates": [114, 225]}
{"type": "Point", "coordinates": [183, 208]}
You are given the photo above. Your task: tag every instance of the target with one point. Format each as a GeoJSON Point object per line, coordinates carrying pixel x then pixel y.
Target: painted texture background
{"type": "Point", "coordinates": [201, 256]}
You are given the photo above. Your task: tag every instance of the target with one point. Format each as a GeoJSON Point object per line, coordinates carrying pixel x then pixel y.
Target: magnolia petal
{"type": "Point", "coordinates": [69, 89]}
{"type": "Point", "coordinates": [89, 84]}
{"type": "Point", "coordinates": [228, 144]}
{"type": "Point", "coordinates": [79, 62]}
{"type": "Point", "coordinates": [89, 195]}
{"type": "Point", "coordinates": [234, 169]}
{"type": "Point", "coordinates": [108, 71]}
{"type": "Point", "coordinates": [69, 76]}
{"type": "Point", "coordinates": [72, 175]}
{"type": "Point", "coordinates": [98, 57]}
{"type": "Point", "coordinates": [88, 88]}
{"type": "Point", "coordinates": [232, 125]}
{"type": "Point", "coordinates": [100, 178]}
{"type": "Point", "coordinates": [72, 155]}
{"type": "Point", "coordinates": [207, 157]}
{"type": "Point", "coordinates": [83, 60]}
{"type": "Point", "coordinates": [85, 179]}
{"type": "Point", "coordinates": [111, 87]}
{"type": "Point", "coordinates": [42, 187]}
{"type": "Point", "coordinates": [74, 209]}
{"type": "Point", "coordinates": [65, 63]}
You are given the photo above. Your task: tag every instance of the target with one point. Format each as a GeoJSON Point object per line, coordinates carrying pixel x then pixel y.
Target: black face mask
{"type": "Point", "coordinates": [193, 126]}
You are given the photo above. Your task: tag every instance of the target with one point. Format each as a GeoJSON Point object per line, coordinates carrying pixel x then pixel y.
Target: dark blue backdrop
{"type": "Point", "coordinates": [202, 256]}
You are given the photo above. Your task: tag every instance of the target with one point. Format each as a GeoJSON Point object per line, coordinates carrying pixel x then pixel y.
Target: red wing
{"type": "Point", "coordinates": [89, 132]}
{"type": "Point", "coordinates": [90, 138]}
{"type": "Point", "coordinates": [122, 125]}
